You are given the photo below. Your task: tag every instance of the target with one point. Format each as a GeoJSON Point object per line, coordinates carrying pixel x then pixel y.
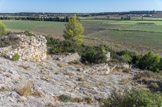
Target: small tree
{"type": "Point", "coordinates": [2, 29]}
{"type": "Point", "coordinates": [74, 29]}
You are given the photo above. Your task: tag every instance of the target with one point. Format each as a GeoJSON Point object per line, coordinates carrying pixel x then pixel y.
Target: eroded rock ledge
{"type": "Point", "coordinates": [30, 48]}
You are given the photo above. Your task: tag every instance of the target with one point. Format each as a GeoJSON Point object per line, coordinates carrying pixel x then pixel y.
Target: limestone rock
{"type": "Point", "coordinates": [126, 66]}
{"type": "Point", "coordinates": [67, 57]}
{"type": "Point", "coordinates": [30, 48]}
{"type": "Point", "coordinates": [108, 55]}
{"type": "Point", "coordinates": [50, 81]}
{"type": "Point", "coordinates": [97, 69]}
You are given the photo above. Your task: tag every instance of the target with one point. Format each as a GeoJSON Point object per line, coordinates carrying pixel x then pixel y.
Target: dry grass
{"type": "Point", "coordinates": [125, 81]}
{"type": "Point", "coordinates": [26, 91]}
{"type": "Point", "coordinates": [3, 89]}
{"type": "Point", "coordinates": [151, 80]}
{"type": "Point", "coordinates": [24, 66]}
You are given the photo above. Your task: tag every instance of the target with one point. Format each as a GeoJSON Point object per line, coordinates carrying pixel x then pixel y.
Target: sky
{"type": "Point", "coordinates": [78, 6]}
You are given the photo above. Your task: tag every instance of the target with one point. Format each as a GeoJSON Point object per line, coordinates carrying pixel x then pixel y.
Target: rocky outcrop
{"type": "Point", "coordinates": [67, 57]}
{"type": "Point", "coordinates": [47, 81]}
{"type": "Point", "coordinates": [101, 69]}
{"type": "Point", "coordinates": [30, 48]}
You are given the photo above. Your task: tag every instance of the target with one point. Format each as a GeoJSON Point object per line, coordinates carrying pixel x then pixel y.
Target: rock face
{"type": "Point", "coordinates": [67, 57]}
{"type": "Point", "coordinates": [30, 48]}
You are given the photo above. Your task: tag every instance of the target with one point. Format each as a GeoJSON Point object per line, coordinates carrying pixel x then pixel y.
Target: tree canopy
{"type": "Point", "coordinates": [74, 29]}
{"type": "Point", "coordinates": [2, 29]}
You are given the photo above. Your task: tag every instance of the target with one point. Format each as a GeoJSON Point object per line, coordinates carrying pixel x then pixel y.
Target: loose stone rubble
{"type": "Point", "coordinates": [67, 57]}
{"type": "Point", "coordinates": [30, 48]}
{"type": "Point", "coordinates": [102, 69]}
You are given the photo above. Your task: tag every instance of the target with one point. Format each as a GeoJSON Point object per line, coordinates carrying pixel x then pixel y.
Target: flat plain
{"type": "Point", "coordinates": [142, 33]}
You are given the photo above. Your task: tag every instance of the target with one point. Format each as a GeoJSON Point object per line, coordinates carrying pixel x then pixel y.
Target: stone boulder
{"type": "Point", "coordinates": [30, 48]}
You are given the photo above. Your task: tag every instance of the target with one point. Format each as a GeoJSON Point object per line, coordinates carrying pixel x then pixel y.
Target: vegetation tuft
{"type": "Point", "coordinates": [134, 99]}
{"type": "Point", "coordinates": [16, 57]}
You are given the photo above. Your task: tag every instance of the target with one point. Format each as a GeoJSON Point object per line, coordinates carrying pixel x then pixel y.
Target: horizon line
{"type": "Point", "coordinates": [84, 12]}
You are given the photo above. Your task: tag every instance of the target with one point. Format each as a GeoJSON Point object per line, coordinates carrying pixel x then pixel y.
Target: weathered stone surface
{"type": "Point", "coordinates": [97, 69]}
{"type": "Point", "coordinates": [31, 48]}
{"type": "Point", "coordinates": [67, 57]}
{"type": "Point", "coordinates": [52, 81]}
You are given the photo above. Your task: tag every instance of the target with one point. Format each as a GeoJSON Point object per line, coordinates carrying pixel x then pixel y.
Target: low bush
{"type": "Point", "coordinates": [154, 86]}
{"type": "Point", "coordinates": [89, 54]}
{"type": "Point", "coordinates": [135, 99]}
{"type": "Point", "coordinates": [93, 55]}
{"type": "Point", "coordinates": [150, 61]}
{"type": "Point", "coordinates": [59, 47]}
{"type": "Point", "coordinates": [65, 98]}
{"type": "Point", "coordinates": [127, 55]}
{"type": "Point", "coordinates": [28, 33]}
{"type": "Point", "coordinates": [16, 57]}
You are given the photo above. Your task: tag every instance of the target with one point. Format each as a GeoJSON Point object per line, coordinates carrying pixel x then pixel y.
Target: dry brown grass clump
{"type": "Point", "coordinates": [27, 90]}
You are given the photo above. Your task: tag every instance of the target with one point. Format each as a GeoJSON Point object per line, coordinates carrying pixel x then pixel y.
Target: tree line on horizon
{"type": "Point", "coordinates": [56, 19]}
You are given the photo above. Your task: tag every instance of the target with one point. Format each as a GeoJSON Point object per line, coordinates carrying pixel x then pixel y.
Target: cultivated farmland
{"type": "Point", "coordinates": [137, 33]}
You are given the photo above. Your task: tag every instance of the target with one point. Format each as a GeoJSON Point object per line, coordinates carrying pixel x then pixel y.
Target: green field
{"type": "Point", "coordinates": [149, 39]}
{"type": "Point", "coordinates": [144, 33]}
{"type": "Point", "coordinates": [121, 22]}
{"type": "Point", "coordinates": [53, 28]}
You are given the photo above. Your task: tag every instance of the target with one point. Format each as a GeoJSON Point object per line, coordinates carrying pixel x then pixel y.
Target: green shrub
{"type": "Point", "coordinates": [93, 55]}
{"type": "Point", "coordinates": [88, 100]}
{"type": "Point", "coordinates": [150, 61]}
{"type": "Point", "coordinates": [28, 33]}
{"type": "Point", "coordinates": [154, 86]}
{"type": "Point", "coordinates": [127, 55]}
{"type": "Point", "coordinates": [135, 99]}
{"type": "Point", "coordinates": [129, 52]}
{"type": "Point", "coordinates": [60, 47]}
{"type": "Point", "coordinates": [16, 57]}
{"type": "Point", "coordinates": [65, 98]}
{"type": "Point", "coordinates": [89, 54]}
{"type": "Point", "coordinates": [127, 58]}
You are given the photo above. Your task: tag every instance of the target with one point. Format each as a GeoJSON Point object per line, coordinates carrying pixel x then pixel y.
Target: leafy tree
{"type": "Point", "coordinates": [2, 29]}
{"type": "Point", "coordinates": [74, 29]}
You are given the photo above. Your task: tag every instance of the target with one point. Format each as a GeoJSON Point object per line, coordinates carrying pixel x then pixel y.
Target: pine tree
{"type": "Point", "coordinates": [74, 29]}
{"type": "Point", "coordinates": [2, 29]}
